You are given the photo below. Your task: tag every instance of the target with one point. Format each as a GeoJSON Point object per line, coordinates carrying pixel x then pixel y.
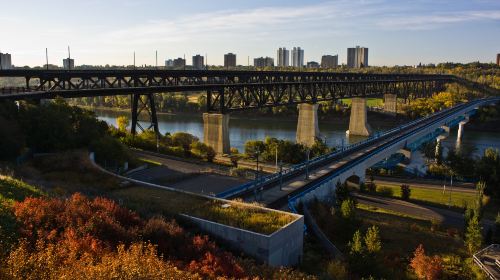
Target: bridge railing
{"type": "Point", "coordinates": [258, 183]}
{"type": "Point", "coordinates": [292, 200]}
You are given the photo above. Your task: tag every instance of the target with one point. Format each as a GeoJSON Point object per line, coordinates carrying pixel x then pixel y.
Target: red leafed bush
{"type": "Point", "coordinates": [83, 227]}
{"type": "Point", "coordinates": [50, 220]}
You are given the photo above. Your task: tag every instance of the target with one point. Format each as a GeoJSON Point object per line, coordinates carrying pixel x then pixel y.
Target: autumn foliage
{"type": "Point", "coordinates": [426, 267]}
{"type": "Point", "coordinates": [76, 235]}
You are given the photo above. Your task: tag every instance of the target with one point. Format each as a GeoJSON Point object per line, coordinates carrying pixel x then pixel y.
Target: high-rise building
{"type": "Point", "coordinates": [229, 60]}
{"type": "Point", "coordinates": [329, 61]}
{"type": "Point", "coordinates": [498, 59]}
{"type": "Point", "coordinates": [198, 63]}
{"type": "Point", "coordinates": [68, 63]}
{"type": "Point", "coordinates": [283, 57]}
{"type": "Point", "coordinates": [357, 57]}
{"type": "Point", "coordinates": [312, 64]}
{"type": "Point", "coordinates": [179, 62]}
{"type": "Point", "coordinates": [5, 61]}
{"type": "Point", "coordinates": [297, 57]}
{"type": "Point", "coordinates": [169, 63]}
{"type": "Point", "coordinates": [263, 62]}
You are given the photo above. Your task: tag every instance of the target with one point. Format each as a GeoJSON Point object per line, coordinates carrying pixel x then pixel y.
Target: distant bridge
{"type": "Point", "coordinates": [229, 91]}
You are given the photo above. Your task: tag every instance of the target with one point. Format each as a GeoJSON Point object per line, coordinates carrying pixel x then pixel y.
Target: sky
{"type": "Point", "coordinates": [397, 32]}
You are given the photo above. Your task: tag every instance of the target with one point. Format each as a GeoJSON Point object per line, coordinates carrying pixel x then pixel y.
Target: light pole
{"type": "Point", "coordinates": [281, 175]}
{"type": "Point", "coordinates": [307, 163]}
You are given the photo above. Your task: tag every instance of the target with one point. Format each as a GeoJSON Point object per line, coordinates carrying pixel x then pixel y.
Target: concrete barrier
{"type": "Point", "coordinates": [281, 248]}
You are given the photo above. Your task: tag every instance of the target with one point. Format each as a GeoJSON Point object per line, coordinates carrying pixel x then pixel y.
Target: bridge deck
{"type": "Point", "coordinates": [274, 194]}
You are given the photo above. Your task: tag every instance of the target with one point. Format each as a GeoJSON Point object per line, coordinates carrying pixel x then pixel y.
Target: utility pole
{"type": "Point", "coordinates": [47, 58]}
{"type": "Point", "coordinates": [69, 59]}
{"type": "Point", "coordinates": [307, 164]}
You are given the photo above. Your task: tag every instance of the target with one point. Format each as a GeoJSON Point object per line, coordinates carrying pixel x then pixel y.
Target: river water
{"type": "Point", "coordinates": [242, 129]}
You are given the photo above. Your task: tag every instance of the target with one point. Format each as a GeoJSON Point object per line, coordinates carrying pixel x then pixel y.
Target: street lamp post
{"type": "Point", "coordinates": [307, 163]}
{"type": "Point", "coordinates": [281, 175]}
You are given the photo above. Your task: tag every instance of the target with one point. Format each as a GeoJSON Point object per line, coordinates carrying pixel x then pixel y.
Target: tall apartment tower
{"type": "Point", "coordinates": [5, 61]}
{"type": "Point", "coordinates": [68, 63]}
{"type": "Point", "coordinates": [357, 57]}
{"type": "Point", "coordinates": [329, 61]}
{"type": "Point", "coordinates": [229, 60]}
{"type": "Point", "coordinates": [498, 59]}
{"type": "Point", "coordinates": [283, 57]}
{"type": "Point", "coordinates": [198, 63]}
{"type": "Point", "coordinates": [297, 57]}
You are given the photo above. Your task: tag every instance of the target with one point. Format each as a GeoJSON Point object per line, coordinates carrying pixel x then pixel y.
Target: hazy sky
{"type": "Point", "coordinates": [109, 31]}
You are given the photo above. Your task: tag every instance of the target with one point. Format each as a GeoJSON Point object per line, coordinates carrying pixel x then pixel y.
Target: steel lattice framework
{"type": "Point", "coordinates": [227, 91]}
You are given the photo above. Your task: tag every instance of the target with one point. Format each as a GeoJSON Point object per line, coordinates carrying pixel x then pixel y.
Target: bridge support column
{"type": "Point", "coordinates": [307, 124]}
{"type": "Point", "coordinates": [216, 132]}
{"type": "Point", "coordinates": [358, 124]}
{"type": "Point", "coordinates": [140, 105]}
{"type": "Point", "coordinates": [390, 103]}
{"type": "Point", "coordinates": [461, 129]}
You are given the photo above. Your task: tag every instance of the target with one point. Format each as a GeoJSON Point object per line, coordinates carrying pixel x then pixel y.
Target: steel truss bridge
{"type": "Point", "coordinates": [226, 91]}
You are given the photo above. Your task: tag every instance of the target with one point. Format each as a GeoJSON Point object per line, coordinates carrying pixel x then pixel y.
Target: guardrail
{"type": "Point", "coordinates": [256, 184]}
{"type": "Point", "coordinates": [439, 116]}
{"type": "Point", "coordinates": [480, 263]}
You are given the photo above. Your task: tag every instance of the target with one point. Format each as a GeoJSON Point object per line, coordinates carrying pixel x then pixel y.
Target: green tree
{"type": "Point", "coordinates": [184, 140]}
{"type": "Point", "coordinates": [347, 209]}
{"type": "Point", "coordinates": [254, 147]}
{"type": "Point", "coordinates": [473, 236]}
{"type": "Point", "coordinates": [341, 192]}
{"type": "Point", "coordinates": [405, 191]}
{"type": "Point", "coordinates": [372, 240]}
{"type": "Point", "coordinates": [356, 245]}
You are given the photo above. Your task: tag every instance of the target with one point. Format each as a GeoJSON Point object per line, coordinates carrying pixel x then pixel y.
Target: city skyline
{"type": "Point", "coordinates": [397, 33]}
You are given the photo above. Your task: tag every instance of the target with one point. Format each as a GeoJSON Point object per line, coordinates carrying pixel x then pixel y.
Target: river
{"type": "Point", "coordinates": [242, 129]}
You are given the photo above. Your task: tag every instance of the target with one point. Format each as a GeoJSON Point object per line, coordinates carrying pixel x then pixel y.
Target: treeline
{"type": "Point", "coordinates": [53, 127]}
{"type": "Point", "coordinates": [463, 164]}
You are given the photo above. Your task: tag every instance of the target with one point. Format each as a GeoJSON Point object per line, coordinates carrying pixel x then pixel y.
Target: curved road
{"type": "Point", "coordinates": [447, 217]}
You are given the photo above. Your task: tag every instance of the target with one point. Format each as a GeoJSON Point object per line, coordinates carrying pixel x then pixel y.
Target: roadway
{"type": "Point", "coordinates": [270, 193]}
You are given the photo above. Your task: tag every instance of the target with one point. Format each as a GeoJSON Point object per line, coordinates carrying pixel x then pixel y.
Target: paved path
{"type": "Point", "coordinates": [424, 183]}
{"type": "Point", "coordinates": [445, 216]}
{"type": "Point", "coordinates": [184, 175]}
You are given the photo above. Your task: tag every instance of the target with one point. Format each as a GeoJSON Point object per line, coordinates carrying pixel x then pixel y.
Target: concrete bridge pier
{"type": "Point", "coordinates": [358, 124]}
{"type": "Point", "coordinates": [461, 129]}
{"type": "Point", "coordinates": [307, 124]}
{"type": "Point", "coordinates": [391, 103]}
{"type": "Point", "coordinates": [216, 132]}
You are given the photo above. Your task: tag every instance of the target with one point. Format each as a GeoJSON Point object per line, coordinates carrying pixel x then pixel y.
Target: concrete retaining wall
{"type": "Point", "coordinates": [281, 248]}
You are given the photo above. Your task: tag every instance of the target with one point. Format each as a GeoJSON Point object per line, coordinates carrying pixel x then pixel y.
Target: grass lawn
{"type": "Point", "coordinates": [401, 234]}
{"type": "Point", "coordinates": [433, 196]}
{"type": "Point", "coordinates": [370, 102]}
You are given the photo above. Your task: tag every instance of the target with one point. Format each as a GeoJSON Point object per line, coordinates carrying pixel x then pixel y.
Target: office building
{"type": "Point", "coordinates": [179, 63]}
{"type": "Point", "coordinates": [498, 59]}
{"type": "Point", "coordinates": [5, 61]}
{"type": "Point", "coordinates": [263, 62]}
{"type": "Point", "coordinates": [297, 57]}
{"type": "Point", "coordinates": [357, 57]}
{"type": "Point", "coordinates": [198, 62]}
{"type": "Point", "coordinates": [169, 63]}
{"type": "Point", "coordinates": [312, 64]}
{"type": "Point", "coordinates": [329, 61]}
{"type": "Point", "coordinates": [68, 63]}
{"type": "Point", "coordinates": [283, 57]}
{"type": "Point", "coordinates": [229, 60]}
